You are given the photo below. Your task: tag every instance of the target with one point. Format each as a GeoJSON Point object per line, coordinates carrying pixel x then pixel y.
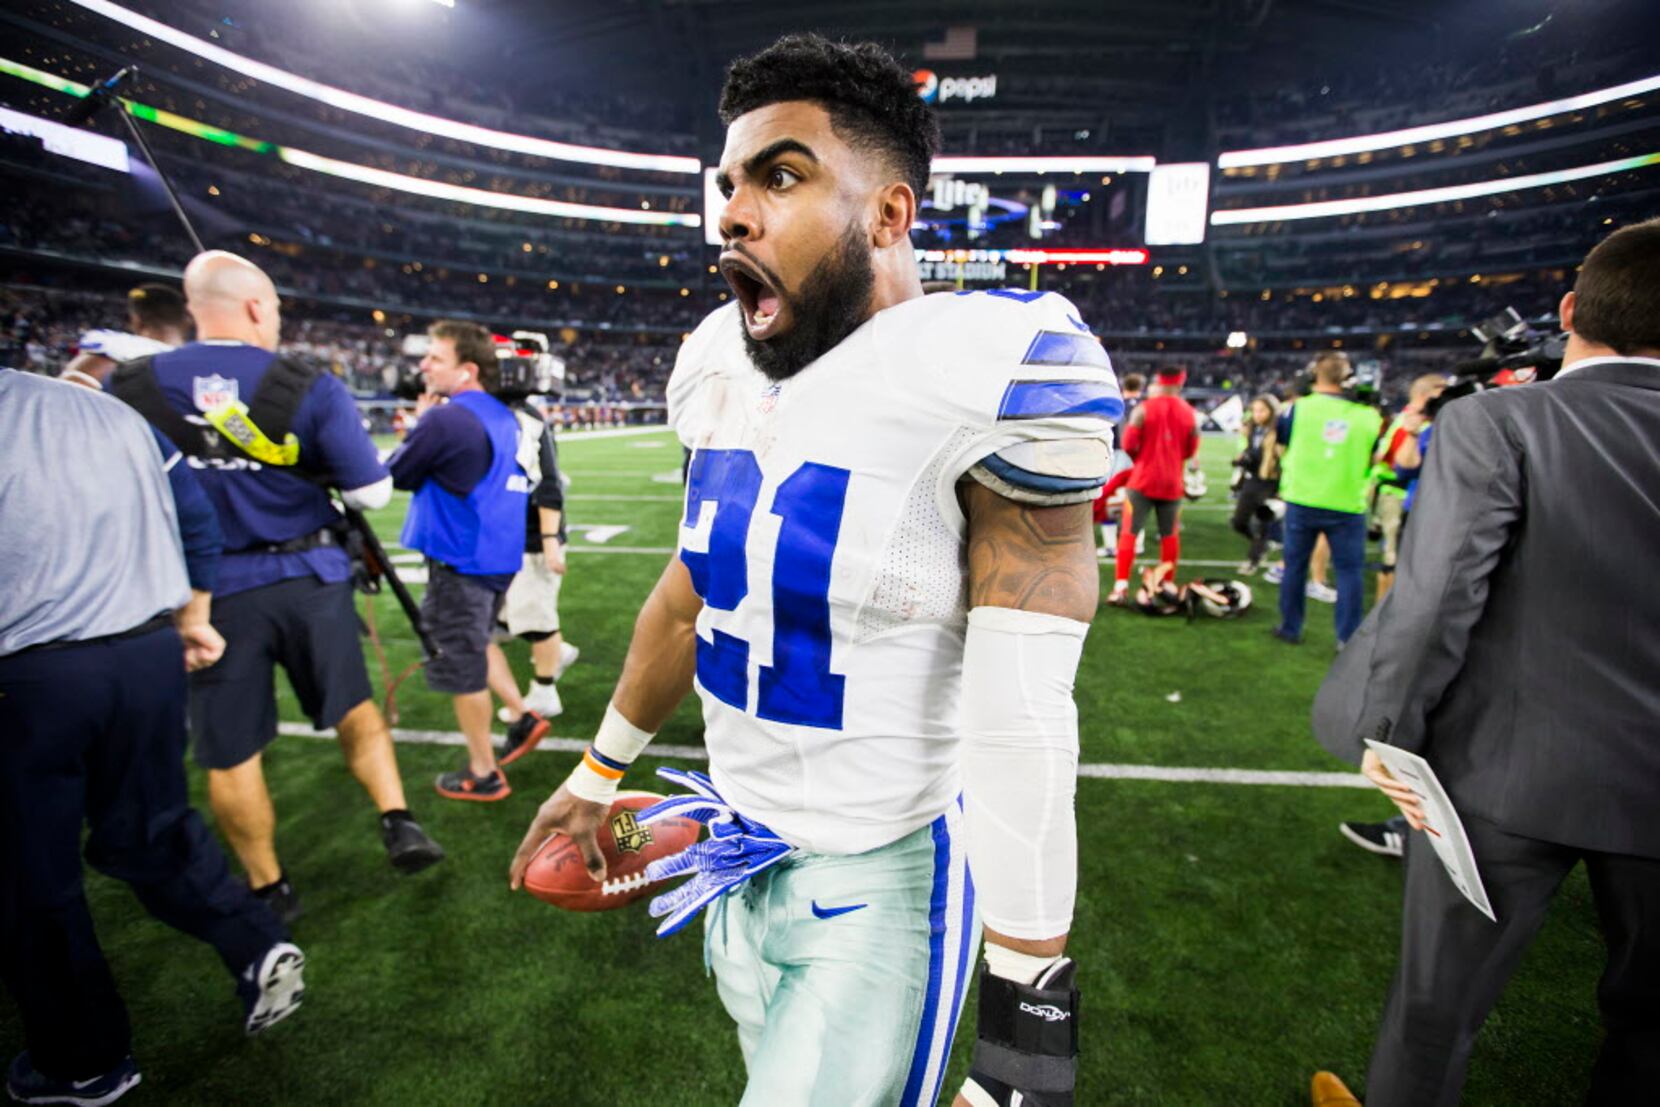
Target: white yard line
{"type": "Point", "coordinates": [1093, 771]}
{"type": "Point", "coordinates": [664, 551]}
{"type": "Point", "coordinates": [611, 432]}
{"type": "Point", "coordinates": [627, 499]}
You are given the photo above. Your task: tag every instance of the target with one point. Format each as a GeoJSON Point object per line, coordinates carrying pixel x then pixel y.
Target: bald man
{"type": "Point", "coordinates": [263, 433]}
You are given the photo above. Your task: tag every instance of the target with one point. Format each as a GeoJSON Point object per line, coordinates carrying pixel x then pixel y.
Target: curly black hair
{"type": "Point", "coordinates": [872, 100]}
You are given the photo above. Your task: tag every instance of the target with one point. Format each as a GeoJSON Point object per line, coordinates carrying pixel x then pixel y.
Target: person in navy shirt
{"type": "Point", "coordinates": [468, 517]}
{"type": "Point", "coordinates": [283, 594]}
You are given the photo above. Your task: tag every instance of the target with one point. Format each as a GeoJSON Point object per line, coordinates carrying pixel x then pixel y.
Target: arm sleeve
{"type": "Point", "coordinates": [198, 523]}
{"type": "Point", "coordinates": [1469, 501]}
{"type": "Point", "coordinates": [1020, 768]}
{"type": "Point", "coordinates": [370, 496]}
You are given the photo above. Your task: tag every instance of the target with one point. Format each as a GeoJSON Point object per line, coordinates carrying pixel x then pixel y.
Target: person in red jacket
{"type": "Point", "coordinates": [1163, 434]}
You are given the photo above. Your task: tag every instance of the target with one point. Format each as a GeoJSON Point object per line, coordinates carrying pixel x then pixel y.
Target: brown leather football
{"type": "Point", "coordinates": [556, 874]}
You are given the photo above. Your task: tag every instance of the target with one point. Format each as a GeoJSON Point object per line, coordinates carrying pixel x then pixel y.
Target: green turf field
{"type": "Point", "coordinates": [1230, 941]}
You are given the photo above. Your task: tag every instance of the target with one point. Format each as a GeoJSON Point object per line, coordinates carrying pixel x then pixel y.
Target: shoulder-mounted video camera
{"type": "Point", "coordinates": [524, 363]}
{"type": "Point", "coordinates": [1513, 352]}
{"type": "Point", "coordinates": [527, 367]}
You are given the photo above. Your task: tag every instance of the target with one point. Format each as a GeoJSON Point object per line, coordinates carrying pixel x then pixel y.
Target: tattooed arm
{"type": "Point", "coordinates": [1030, 558]}
{"type": "Point", "coordinates": [1038, 565]}
{"type": "Point", "coordinates": [1033, 585]}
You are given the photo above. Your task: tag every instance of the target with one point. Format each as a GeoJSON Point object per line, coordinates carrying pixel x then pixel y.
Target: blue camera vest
{"type": "Point", "coordinates": [482, 534]}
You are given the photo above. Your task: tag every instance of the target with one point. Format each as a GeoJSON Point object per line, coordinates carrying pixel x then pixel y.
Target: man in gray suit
{"type": "Point", "coordinates": [1519, 652]}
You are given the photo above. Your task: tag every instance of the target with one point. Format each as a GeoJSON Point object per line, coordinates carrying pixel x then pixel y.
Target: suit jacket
{"type": "Point", "coordinates": [1519, 650]}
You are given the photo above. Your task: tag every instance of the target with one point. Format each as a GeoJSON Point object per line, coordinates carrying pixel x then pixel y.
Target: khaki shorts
{"type": "Point", "coordinates": [532, 603]}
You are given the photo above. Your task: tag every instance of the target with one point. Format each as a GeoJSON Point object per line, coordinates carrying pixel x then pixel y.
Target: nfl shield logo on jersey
{"type": "Point", "coordinates": [214, 391]}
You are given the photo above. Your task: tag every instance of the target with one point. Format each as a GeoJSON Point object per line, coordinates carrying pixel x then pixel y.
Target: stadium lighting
{"type": "Point", "coordinates": [1114, 256]}
{"type": "Point", "coordinates": [1041, 165]}
{"type": "Point", "coordinates": [1326, 208]}
{"type": "Point", "coordinates": [70, 142]}
{"type": "Point", "coordinates": [388, 113]}
{"type": "Point", "coordinates": [1237, 340]}
{"type": "Point", "coordinates": [1384, 140]}
{"type": "Point", "coordinates": [507, 201]}
{"type": "Point", "coordinates": [363, 174]}
{"type": "Point", "coordinates": [1078, 257]}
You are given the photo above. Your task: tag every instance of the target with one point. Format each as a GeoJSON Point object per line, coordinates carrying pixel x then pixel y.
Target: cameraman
{"type": "Point", "coordinates": [1328, 441]}
{"type": "Point", "coordinates": [530, 609]}
{"type": "Point", "coordinates": [284, 594]}
{"type": "Point", "coordinates": [468, 518]}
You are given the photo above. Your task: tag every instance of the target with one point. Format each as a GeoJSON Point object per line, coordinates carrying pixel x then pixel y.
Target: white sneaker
{"type": "Point", "coordinates": [1325, 593]}
{"type": "Point", "coordinates": [567, 657]}
{"type": "Point", "coordinates": [1274, 573]}
{"type": "Point", "coordinates": [271, 988]}
{"type": "Point", "coordinates": [544, 700]}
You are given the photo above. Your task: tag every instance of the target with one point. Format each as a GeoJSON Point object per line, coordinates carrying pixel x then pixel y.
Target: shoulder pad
{"type": "Point", "coordinates": [1047, 472]}
{"type": "Point", "coordinates": [1026, 355]}
{"type": "Point", "coordinates": [703, 354]}
{"type": "Point", "coordinates": [119, 345]}
{"type": "Point", "coordinates": [1006, 327]}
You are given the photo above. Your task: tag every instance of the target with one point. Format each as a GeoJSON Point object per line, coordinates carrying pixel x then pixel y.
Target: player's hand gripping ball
{"type": "Point", "coordinates": [557, 875]}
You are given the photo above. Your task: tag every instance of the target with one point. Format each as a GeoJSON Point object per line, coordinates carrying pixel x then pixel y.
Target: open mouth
{"type": "Point", "coordinates": [762, 304]}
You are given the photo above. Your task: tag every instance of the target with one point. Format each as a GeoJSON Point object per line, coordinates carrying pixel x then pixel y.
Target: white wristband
{"type": "Point", "coordinates": [615, 746]}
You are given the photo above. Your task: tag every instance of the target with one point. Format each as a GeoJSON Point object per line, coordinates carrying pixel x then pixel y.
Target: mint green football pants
{"type": "Point", "coordinates": [846, 975]}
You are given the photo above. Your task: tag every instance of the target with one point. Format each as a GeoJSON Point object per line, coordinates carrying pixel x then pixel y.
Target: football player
{"type": "Point", "coordinates": [156, 321]}
{"type": "Point", "coordinates": [884, 579]}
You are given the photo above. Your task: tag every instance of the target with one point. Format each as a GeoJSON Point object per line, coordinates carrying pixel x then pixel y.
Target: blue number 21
{"type": "Point", "coordinates": [798, 687]}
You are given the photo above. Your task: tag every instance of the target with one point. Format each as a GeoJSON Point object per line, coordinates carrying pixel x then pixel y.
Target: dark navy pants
{"type": "Point", "coordinates": [1346, 533]}
{"type": "Point", "coordinates": [95, 734]}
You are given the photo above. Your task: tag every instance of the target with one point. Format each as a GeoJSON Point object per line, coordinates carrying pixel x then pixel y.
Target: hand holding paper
{"type": "Point", "coordinates": [1411, 783]}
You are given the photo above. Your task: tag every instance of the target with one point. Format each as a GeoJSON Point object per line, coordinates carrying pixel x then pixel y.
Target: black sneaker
{"type": "Point", "coordinates": [27, 1085]}
{"type": "Point", "coordinates": [271, 987]}
{"type": "Point", "coordinates": [1387, 838]}
{"type": "Point", "coordinates": [408, 847]}
{"type": "Point", "coordinates": [282, 899]}
{"type": "Point", "coordinates": [463, 785]}
{"type": "Point", "coordinates": [522, 737]}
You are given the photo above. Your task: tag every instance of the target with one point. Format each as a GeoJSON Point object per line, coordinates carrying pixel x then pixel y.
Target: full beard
{"type": "Point", "coordinates": [832, 303]}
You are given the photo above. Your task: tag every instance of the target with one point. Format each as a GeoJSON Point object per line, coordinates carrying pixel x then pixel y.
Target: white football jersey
{"type": "Point", "coordinates": [120, 346]}
{"type": "Point", "coordinates": [823, 531]}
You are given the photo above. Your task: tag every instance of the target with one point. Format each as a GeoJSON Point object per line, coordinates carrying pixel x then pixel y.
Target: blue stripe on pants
{"type": "Point", "coordinates": [965, 943]}
{"type": "Point", "coordinates": [936, 964]}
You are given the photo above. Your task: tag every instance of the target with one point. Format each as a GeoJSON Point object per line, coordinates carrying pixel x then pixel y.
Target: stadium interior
{"type": "Point", "coordinates": [1229, 187]}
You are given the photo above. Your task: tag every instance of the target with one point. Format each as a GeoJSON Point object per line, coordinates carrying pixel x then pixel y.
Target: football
{"type": "Point", "coordinates": [556, 874]}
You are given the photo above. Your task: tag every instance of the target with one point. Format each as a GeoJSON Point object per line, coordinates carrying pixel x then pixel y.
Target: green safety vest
{"type": "Point", "coordinates": [1329, 461]}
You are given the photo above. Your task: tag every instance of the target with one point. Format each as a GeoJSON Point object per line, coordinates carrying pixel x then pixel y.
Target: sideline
{"type": "Point", "coordinates": [1093, 771]}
